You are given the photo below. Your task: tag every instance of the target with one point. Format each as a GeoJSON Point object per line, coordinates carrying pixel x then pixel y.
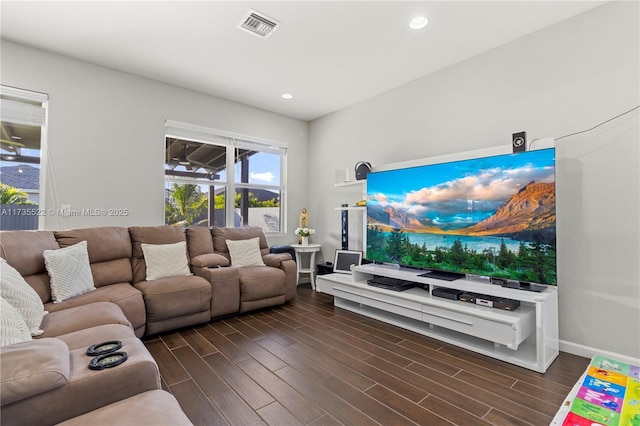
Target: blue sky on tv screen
{"type": "Point", "coordinates": [460, 193]}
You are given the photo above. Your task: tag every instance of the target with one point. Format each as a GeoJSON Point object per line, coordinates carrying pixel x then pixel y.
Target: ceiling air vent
{"type": "Point", "coordinates": [258, 24]}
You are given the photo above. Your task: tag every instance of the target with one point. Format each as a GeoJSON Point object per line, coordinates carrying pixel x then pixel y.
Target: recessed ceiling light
{"type": "Point", "coordinates": [418, 23]}
{"type": "Point", "coordinates": [286, 96]}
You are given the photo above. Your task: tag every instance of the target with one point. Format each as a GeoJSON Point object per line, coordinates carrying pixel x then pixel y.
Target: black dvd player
{"type": "Point", "coordinates": [394, 284]}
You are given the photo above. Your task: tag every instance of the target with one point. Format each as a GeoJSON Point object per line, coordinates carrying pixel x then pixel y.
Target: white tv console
{"type": "Point", "coordinates": [526, 336]}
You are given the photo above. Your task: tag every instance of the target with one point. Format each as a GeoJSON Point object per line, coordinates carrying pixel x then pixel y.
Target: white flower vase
{"type": "Point", "coordinates": [305, 241]}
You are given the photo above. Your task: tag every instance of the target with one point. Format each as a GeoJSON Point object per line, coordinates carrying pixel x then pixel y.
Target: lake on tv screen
{"type": "Point", "coordinates": [472, 243]}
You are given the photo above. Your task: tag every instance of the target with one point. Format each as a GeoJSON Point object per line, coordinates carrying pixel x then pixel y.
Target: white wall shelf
{"type": "Point", "coordinates": [363, 208]}
{"type": "Point", "coordinates": [351, 183]}
{"type": "Point", "coordinates": [359, 210]}
{"type": "Point", "coordinates": [526, 336]}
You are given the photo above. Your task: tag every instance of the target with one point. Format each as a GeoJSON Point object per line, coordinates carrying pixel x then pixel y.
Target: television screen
{"type": "Point", "coordinates": [493, 216]}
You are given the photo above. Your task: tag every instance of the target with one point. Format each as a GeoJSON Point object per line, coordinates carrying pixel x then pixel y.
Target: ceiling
{"type": "Point", "coordinates": [328, 54]}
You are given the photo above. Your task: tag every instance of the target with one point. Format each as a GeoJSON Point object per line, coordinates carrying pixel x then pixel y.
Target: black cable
{"type": "Point", "coordinates": [596, 126]}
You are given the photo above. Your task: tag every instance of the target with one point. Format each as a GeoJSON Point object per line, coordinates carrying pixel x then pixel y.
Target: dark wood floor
{"type": "Point", "coordinates": [309, 363]}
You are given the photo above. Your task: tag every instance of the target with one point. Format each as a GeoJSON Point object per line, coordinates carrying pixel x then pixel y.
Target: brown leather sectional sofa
{"type": "Point", "coordinates": [46, 381]}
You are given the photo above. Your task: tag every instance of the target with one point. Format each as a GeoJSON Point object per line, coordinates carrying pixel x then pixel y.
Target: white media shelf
{"type": "Point", "coordinates": [526, 336]}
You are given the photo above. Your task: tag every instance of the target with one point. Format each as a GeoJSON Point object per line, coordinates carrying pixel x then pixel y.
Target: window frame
{"type": "Point", "coordinates": [26, 96]}
{"type": "Point", "coordinates": [231, 141]}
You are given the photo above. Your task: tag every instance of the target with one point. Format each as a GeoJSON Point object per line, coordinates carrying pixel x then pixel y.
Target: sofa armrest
{"type": "Point", "coordinates": [225, 288]}
{"type": "Point", "coordinates": [285, 262]}
{"type": "Point", "coordinates": [32, 368]}
{"type": "Point", "coordinates": [275, 259]}
{"type": "Point", "coordinates": [209, 259]}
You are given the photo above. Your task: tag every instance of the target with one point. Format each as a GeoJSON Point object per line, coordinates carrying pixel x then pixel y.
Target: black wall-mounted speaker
{"type": "Point", "coordinates": [519, 142]}
{"type": "Point", "coordinates": [362, 170]}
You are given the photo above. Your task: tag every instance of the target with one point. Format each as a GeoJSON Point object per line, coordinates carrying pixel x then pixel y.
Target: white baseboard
{"type": "Point", "coordinates": [589, 352]}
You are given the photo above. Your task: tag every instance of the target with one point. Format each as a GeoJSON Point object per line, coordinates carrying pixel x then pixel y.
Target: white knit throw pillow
{"type": "Point", "coordinates": [166, 260]}
{"type": "Point", "coordinates": [69, 271]}
{"type": "Point", "coordinates": [13, 329]}
{"type": "Point", "coordinates": [245, 252]}
{"type": "Point", "coordinates": [15, 290]}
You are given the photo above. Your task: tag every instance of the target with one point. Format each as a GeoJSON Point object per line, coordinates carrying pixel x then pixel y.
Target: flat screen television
{"type": "Point", "coordinates": [493, 216]}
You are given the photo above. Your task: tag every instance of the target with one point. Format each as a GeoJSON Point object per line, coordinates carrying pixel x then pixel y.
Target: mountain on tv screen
{"type": "Point", "coordinates": [492, 216]}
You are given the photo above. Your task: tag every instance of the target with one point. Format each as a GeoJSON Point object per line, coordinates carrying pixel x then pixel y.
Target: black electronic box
{"type": "Point", "coordinates": [447, 293]}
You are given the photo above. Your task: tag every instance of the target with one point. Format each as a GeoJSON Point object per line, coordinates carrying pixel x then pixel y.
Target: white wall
{"type": "Point", "coordinates": [562, 79]}
{"type": "Point", "coordinates": [106, 136]}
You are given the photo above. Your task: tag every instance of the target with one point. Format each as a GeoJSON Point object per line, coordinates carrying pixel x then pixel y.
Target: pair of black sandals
{"type": "Point", "coordinates": [105, 355]}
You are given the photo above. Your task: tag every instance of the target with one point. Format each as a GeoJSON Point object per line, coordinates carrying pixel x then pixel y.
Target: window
{"type": "Point", "coordinates": [23, 123]}
{"type": "Point", "coordinates": [203, 166]}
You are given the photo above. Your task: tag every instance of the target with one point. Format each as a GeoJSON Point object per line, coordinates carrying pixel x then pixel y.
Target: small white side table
{"type": "Point", "coordinates": [312, 249]}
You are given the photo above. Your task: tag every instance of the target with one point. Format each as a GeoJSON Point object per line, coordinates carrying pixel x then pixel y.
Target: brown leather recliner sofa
{"type": "Point", "coordinates": [237, 290]}
{"type": "Point", "coordinates": [124, 306]}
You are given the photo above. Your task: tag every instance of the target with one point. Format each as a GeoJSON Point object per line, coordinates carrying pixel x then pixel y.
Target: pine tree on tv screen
{"type": "Point", "coordinates": [493, 216]}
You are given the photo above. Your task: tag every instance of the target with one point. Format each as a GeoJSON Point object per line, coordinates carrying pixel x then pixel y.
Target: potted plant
{"type": "Point", "coordinates": [304, 233]}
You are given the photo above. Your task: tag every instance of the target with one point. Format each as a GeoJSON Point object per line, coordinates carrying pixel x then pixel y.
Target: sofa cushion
{"type": "Point", "coordinates": [112, 272]}
{"type": "Point", "coordinates": [69, 271]}
{"type": "Point", "coordinates": [103, 243]}
{"type": "Point", "coordinates": [15, 290]}
{"type": "Point", "coordinates": [199, 241]}
{"type": "Point", "coordinates": [80, 317]}
{"type": "Point", "coordinates": [260, 282]}
{"type": "Point", "coordinates": [109, 251]}
{"type": "Point", "coordinates": [13, 328]}
{"type": "Point", "coordinates": [82, 339]}
{"type": "Point", "coordinates": [173, 297]}
{"type": "Point", "coordinates": [175, 302]}
{"type": "Point", "coordinates": [32, 368]}
{"type": "Point", "coordinates": [150, 235]}
{"type": "Point", "coordinates": [154, 407]}
{"type": "Point", "coordinates": [128, 298]}
{"type": "Point", "coordinates": [221, 235]}
{"type": "Point", "coordinates": [24, 251]}
{"type": "Point", "coordinates": [166, 260]}
{"type": "Point", "coordinates": [245, 252]}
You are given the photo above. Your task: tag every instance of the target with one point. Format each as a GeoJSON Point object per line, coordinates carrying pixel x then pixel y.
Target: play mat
{"type": "Point", "coordinates": [608, 393]}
